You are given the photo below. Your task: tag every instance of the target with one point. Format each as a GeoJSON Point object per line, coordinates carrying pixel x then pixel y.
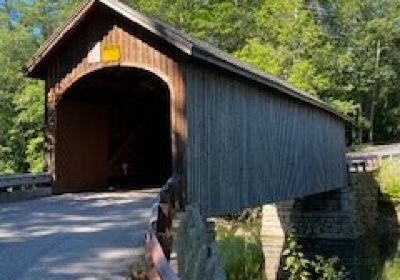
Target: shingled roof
{"type": "Point", "coordinates": [180, 40]}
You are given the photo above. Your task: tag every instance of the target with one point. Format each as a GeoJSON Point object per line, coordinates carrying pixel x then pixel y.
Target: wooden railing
{"type": "Point", "coordinates": [159, 238]}
{"type": "Point", "coordinates": [16, 182]}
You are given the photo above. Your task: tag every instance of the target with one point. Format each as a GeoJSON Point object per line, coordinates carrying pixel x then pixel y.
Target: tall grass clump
{"type": "Point", "coordinates": [242, 257]}
{"type": "Point", "coordinates": [388, 177]}
{"type": "Point", "coordinates": [238, 238]}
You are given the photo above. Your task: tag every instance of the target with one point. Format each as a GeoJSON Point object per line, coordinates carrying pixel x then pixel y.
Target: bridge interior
{"type": "Point", "coordinates": [113, 129]}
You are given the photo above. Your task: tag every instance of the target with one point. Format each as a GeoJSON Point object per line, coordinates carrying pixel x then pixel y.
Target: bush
{"type": "Point", "coordinates": [299, 267]}
{"type": "Point", "coordinates": [388, 177]}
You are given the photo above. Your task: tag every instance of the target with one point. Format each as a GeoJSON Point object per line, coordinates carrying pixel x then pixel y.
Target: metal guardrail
{"type": "Point", "coordinates": [370, 160]}
{"type": "Point", "coordinates": [159, 237]}
{"type": "Point", "coordinates": [14, 182]}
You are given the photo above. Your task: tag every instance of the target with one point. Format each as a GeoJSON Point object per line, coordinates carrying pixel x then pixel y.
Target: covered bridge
{"type": "Point", "coordinates": [131, 100]}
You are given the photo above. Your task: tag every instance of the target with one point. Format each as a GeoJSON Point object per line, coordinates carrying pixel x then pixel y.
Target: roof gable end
{"type": "Point", "coordinates": [162, 30]}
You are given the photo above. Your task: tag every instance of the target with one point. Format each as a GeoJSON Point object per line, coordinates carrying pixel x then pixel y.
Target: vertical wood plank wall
{"type": "Point", "coordinates": [82, 147]}
{"type": "Point", "coordinates": [138, 49]}
{"type": "Point", "coordinates": [249, 145]}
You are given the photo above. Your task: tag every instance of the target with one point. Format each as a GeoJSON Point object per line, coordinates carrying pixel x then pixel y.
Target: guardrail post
{"type": "Point", "coordinates": [164, 222]}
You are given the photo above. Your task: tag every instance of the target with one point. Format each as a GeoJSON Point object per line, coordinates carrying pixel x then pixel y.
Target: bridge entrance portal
{"type": "Point", "coordinates": [113, 129]}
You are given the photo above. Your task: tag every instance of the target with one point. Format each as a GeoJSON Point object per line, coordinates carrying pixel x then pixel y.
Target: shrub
{"type": "Point", "coordinates": [388, 177]}
{"type": "Point", "coordinates": [298, 267]}
{"type": "Point", "coordinates": [295, 264]}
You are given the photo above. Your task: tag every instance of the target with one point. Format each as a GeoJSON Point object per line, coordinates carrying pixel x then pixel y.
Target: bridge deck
{"type": "Point", "coordinates": [80, 236]}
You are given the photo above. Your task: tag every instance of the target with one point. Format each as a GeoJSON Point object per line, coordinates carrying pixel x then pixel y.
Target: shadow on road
{"type": "Point", "coordinates": [73, 236]}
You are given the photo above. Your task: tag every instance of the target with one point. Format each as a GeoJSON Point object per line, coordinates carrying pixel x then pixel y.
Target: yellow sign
{"type": "Point", "coordinates": [110, 53]}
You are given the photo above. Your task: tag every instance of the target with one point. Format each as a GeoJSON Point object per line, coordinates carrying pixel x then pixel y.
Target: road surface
{"type": "Point", "coordinates": [75, 236]}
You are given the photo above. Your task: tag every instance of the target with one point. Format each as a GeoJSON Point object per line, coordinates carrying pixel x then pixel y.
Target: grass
{"type": "Point", "coordinates": [240, 250]}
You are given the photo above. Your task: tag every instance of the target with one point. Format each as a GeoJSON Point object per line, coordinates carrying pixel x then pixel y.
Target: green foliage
{"type": "Point", "coordinates": [224, 23]}
{"type": "Point", "coordinates": [288, 43]}
{"type": "Point", "coordinates": [241, 253]}
{"type": "Point", "coordinates": [328, 269]}
{"type": "Point", "coordinates": [295, 263]}
{"type": "Point", "coordinates": [264, 56]}
{"type": "Point", "coordinates": [33, 153]}
{"type": "Point", "coordinates": [299, 267]}
{"type": "Point", "coordinates": [345, 107]}
{"type": "Point", "coordinates": [388, 177]}
{"type": "Point", "coordinates": [391, 269]}
{"type": "Point", "coordinates": [23, 26]}
{"type": "Point", "coordinates": [14, 45]}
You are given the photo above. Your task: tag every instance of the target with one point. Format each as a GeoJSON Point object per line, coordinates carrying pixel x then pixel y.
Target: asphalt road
{"type": "Point", "coordinates": [80, 236]}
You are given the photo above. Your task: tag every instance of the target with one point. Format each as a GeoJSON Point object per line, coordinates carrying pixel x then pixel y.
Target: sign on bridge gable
{"type": "Point", "coordinates": [110, 53]}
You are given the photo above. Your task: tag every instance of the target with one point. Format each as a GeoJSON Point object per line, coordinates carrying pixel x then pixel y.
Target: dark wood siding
{"type": "Point", "coordinates": [249, 144]}
{"type": "Point", "coordinates": [82, 138]}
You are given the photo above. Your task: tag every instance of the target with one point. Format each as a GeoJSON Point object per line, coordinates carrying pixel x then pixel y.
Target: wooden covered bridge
{"type": "Point", "coordinates": [131, 101]}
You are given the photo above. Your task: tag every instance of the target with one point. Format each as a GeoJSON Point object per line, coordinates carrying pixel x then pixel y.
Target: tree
{"type": "Point", "coordinates": [366, 36]}
{"type": "Point", "coordinates": [289, 43]}
{"type": "Point", "coordinates": [23, 26]}
{"type": "Point", "coordinates": [224, 23]}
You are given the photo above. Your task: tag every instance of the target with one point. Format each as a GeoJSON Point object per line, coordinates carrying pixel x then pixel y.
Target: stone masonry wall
{"type": "Point", "coordinates": [345, 214]}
